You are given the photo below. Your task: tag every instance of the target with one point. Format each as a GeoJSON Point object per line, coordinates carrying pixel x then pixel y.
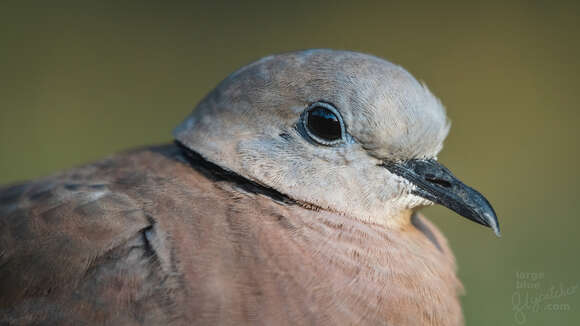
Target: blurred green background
{"type": "Point", "coordinates": [81, 81]}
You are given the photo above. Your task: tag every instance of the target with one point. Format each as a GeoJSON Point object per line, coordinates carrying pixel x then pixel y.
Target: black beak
{"type": "Point", "coordinates": [437, 184]}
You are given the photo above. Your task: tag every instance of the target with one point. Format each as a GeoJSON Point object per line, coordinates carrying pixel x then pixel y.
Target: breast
{"type": "Point", "coordinates": [246, 257]}
{"type": "Point", "coordinates": [334, 269]}
{"type": "Point", "coordinates": [208, 251]}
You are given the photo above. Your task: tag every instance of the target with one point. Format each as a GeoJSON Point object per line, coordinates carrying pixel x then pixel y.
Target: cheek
{"type": "Point", "coordinates": [283, 162]}
{"type": "Point", "coordinates": [332, 177]}
{"type": "Point", "coordinates": [382, 185]}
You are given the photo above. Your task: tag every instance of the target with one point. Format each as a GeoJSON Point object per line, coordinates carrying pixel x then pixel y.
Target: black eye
{"type": "Point", "coordinates": [324, 124]}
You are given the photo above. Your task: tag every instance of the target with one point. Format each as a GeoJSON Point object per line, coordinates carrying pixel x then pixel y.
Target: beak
{"type": "Point", "coordinates": [436, 183]}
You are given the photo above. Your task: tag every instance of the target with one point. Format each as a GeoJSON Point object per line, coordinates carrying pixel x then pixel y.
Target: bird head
{"type": "Point", "coordinates": [338, 130]}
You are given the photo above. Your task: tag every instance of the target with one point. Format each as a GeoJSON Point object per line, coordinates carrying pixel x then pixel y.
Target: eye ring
{"type": "Point", "coordinates": [323, 123]}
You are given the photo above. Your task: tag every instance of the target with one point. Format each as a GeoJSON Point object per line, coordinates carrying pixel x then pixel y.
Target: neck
{"type": "Point", "coordinates": [218, 173]}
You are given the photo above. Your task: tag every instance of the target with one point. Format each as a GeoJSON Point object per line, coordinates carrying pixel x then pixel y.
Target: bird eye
{"type": "Point", "coordinates": [323, 123]}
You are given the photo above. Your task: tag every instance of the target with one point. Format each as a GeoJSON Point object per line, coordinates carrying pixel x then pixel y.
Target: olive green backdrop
{"type": "Point", "coordinates": [81, 81]}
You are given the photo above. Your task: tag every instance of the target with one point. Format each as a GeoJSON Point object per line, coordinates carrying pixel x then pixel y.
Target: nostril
{"type": "Point", "coordinates": [444, 183]}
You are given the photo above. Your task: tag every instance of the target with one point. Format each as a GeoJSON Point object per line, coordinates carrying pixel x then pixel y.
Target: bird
{"type": "Point", "coordinates": [291, 195]}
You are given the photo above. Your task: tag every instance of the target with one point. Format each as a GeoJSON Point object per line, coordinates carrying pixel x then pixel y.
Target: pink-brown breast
{"type": "Point", "coordinates": [145, 238]}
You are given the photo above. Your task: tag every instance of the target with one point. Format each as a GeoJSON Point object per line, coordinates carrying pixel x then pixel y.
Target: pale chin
{"type": "Point", "coordinates": [411, 201]}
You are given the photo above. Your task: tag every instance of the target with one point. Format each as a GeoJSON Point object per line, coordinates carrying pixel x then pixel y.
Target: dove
{"type": "Point", "coordinates": [290, 196]}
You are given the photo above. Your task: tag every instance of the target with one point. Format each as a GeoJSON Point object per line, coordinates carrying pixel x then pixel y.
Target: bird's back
{"type": "Point", "coordinates": [150, 237]}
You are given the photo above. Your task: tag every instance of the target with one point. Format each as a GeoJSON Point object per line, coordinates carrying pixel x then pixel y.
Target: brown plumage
{"type": "Point", "coordinates": [288, 198]}
{"type": "Point", "coordinates": [147, 238]}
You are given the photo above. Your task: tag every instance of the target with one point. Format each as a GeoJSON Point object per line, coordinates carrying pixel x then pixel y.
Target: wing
{"type": "Point", "coordinates": [65, 237]}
